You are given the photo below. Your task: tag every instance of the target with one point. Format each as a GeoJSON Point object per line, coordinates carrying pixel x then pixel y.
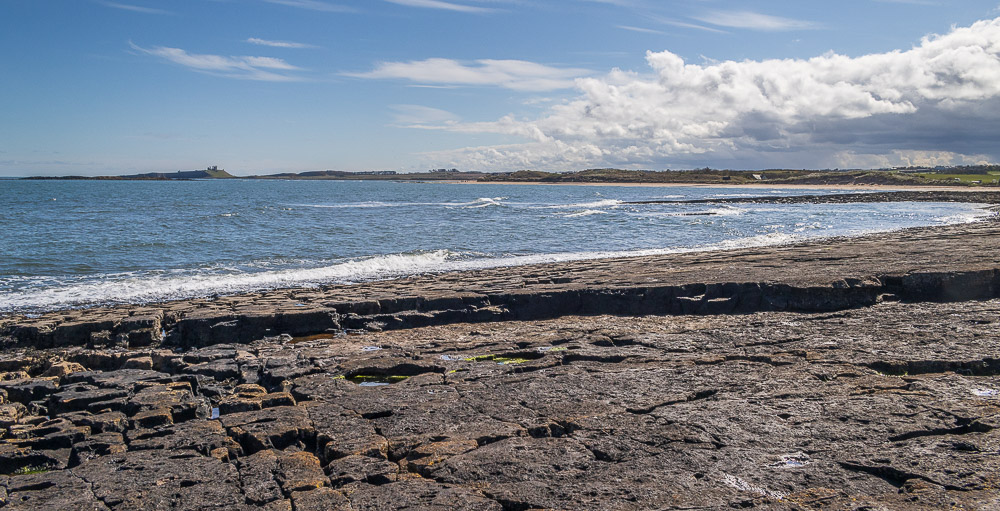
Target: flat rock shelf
{"type": "Point", "coordinates": [857, 373]}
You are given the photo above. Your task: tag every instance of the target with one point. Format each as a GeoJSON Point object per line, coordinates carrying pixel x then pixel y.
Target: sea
{"type": "Point", "coordinates": [69, 244]}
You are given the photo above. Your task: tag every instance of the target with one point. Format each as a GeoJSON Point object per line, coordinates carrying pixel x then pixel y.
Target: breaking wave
{"type": "Point", "coordinates": [586, 212]}
{"type": "Point", "coordinates": [587, 205]}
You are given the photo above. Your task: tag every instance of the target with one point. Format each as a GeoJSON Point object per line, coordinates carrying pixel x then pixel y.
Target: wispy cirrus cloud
{"type": "Point", "coordinates": [314, 5]}
{"type": "Point", "coordinates": [413, 116]}
{"type": "Point", "coordinates": [911, 2]}
{"type": "Point", "coordinates": [439, 4]}
{"type": "Point", "coordinates": [134, 8]}
{"type": "Point", "coordinates": [268, 69]}
{"type": "Point", "coordinates": [511, 74]}
{"type": "Point", "coordinates": [278, 44]}
{"type": "Point", "coordinates": [754, 21]}
{"type": "Point", "coordinates": [640, 30]}
{"type": "Point", "coordinates": [685, 24]}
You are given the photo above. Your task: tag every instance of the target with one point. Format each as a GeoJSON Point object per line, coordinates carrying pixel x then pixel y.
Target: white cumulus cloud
{"type": "Point", "coordinates": [941, 97]}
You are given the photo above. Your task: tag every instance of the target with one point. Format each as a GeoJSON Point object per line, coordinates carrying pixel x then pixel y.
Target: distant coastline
{"type": "Point", "coordinates": [964, 176]}
{"type": "Point", "coordinates": [213, 172]}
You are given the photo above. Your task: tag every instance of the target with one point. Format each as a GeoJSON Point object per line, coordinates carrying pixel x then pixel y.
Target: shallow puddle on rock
{"type": "Point", "coordinates": [796, 460]}
{"type": "Point", "coordinates": [985, 392]}
{"type": "Point", "coordinates": [215, 413]}
{"type": "Point", "coordinates": [371, 348]}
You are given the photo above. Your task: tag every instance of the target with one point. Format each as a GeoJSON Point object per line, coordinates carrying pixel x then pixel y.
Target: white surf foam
{"type": "Point", "coordinates": [144, 288]}
{"type": "Point", "coordinates": [46, 294]}
{"type": "Point", "coordinates": [605, 203]}
{"type": "Point", "coordinates": [586, 212]}
{"type": "Point", "coordinates": [482, 202]}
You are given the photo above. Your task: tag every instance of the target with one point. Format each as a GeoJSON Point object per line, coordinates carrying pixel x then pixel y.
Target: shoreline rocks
{"type": "Point", "coordinates": [947, 263]}
{"type": "Point", "coordinates": [857, 373]}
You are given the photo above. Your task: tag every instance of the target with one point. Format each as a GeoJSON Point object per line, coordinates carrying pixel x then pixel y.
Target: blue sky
{"type": "Point", "coordinates": [114, 86]}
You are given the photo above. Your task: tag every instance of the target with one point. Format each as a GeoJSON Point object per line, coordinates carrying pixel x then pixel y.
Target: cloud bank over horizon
{"type": "Point", "coordinates": [936, 103]}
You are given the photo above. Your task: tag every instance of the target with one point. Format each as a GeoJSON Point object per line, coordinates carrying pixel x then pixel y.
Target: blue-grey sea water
{"type": "Point", "coordinates": [82, 243]}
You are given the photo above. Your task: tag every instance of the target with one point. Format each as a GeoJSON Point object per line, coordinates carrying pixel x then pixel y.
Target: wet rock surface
{"type": "Point", "coordinates": [891, 406]}
{"type": "Point", "coordinates": [846, 374]}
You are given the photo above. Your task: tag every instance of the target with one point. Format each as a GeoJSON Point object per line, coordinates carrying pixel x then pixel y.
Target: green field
{"type": "Point", "coordinates": [991, 178]}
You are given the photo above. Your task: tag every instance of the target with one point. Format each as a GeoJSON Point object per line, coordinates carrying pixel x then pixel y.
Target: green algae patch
{"type": "Point", "coordinates": [503, 360]}
{"type": "Point", "coordinates": [371, 380]}
{"type": "Point", "coordinates": [24, 471]}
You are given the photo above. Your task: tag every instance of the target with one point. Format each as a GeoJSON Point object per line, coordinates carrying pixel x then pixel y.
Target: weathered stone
{"type": "Point", "coordinates": [162, 480]}
{"type": "Point", "coordinates": [60, 369]}
{"type": "Point", "coordinates": [10, 413]}
{"type": "Point", "coordinates": [152, 418]}
{"type": "Point", "coordinates": [80, 396]}
{"type": "Point", "coordinates": [108, 422]}
{"type": "Point", "coordinates": [363, 469]}
{"type": "Point", "coordinates": [51, 490]}
{"type": "Point", "coordinates": [299, 472]}
{"type": "Point", "coordinates": [202, 436]}
{"type": "Point", "coordinates": [321, 499]}
{"type": "Point", "coordinates": [418, 494]}
{"type": "Point", "coordinates": [139, 363]}
{"type": "Point", "coordinates": [16, 458]}
{"type": "Point", "coordinates": [26, 391]}
{"type": "Point", "coordinates": [176, 398]}
{"type": "Point", "coordinates": [257, 478]}
{"type": "Point", "coordinates": [57, 433]}
{"type": "Point", "coordinates": [342, 433]}
{"type": "Point", "coordinates": [423, 459]}
{"type": "Point", "coordinates": [100, 444]}
{"type": "Point", "coordinates": [271, 428]}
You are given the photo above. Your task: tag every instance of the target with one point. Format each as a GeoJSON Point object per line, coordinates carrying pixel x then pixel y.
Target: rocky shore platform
{"type": "Point", "coordinates": [856, 373]}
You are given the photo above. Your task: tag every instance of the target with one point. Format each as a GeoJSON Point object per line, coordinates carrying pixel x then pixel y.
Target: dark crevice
{"type": "Point", "coordinates": [983, 367]}
{"type": "Point", "coordinates": [704, 394]}
{"type": "Point", "coordinates": [894, 476]}
{"type": "Point", "coordinates": [509, 505]}
{"type": "Point", "coordinates": [974, 427]}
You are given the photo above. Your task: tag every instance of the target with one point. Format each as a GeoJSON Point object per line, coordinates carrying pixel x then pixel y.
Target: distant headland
{"type": "Point", "coordinates": [212, 172]}
{"type": "Point", "coordinates": [969, 175]}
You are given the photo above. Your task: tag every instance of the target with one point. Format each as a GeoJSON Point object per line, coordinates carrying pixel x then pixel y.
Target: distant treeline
{"type": "Point", "coordinates": [713, 176]}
